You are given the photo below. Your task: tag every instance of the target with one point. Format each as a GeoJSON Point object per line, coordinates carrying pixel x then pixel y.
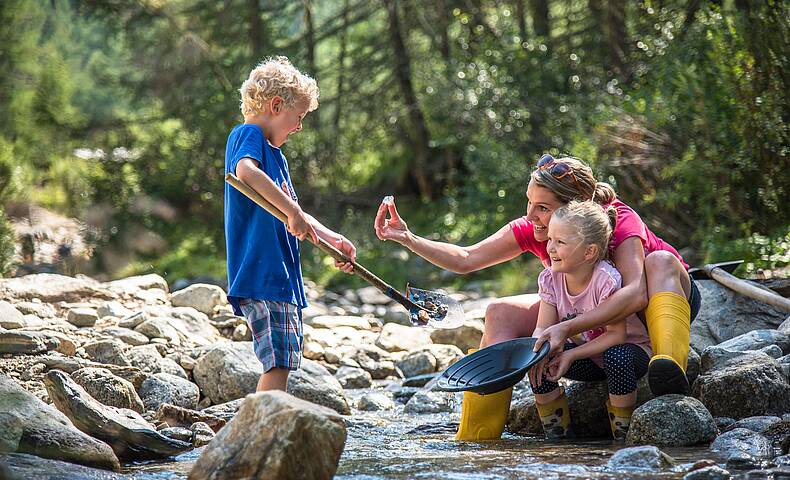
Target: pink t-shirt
{"type": "Point", "coordinates": [605, 281]}
{"type": "Point", "coordinates": [629, 224]}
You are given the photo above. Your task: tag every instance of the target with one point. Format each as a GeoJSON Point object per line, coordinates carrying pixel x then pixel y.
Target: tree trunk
{"type": "Point", "coordinates": [521, 18]}
{"type": "Point", "coordinates": [419, 131]}
{"type": "Point", "coordinates": [256, 30]}
{"type": "Point", "coordinates": [444, 25]}
{"type": "Point", "coordinates": [540, 18]}
{"type": "Point", "coordinates": [617, 36]}
{"type": "Point", "coordinates": [310, 47]}
{"type": "Point", "coordinates": [341, 78]}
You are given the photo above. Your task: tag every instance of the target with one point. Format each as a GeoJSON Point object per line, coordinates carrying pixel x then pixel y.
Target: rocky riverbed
{"type": "Point", "coordinates": [126, 379]}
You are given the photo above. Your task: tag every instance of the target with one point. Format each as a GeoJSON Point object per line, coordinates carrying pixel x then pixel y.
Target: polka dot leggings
{"type": "Point", "coordinates": [623, 365]}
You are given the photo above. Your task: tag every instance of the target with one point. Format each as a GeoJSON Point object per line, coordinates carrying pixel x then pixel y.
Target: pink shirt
{"type": "Point", "coordinates": [605, 280]}
{"type": "Point", "coordinates": [629, 224]}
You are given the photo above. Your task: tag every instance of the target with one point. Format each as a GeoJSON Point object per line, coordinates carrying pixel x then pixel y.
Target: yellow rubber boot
{"type": "Point", "coordinates": [619, 420]}
{"type": "Point", "coordinates": [668, 318]}
{"type": "Point", "coordinates": [483, 417]}
{"type": "Point", "coordinates": [556, 418]}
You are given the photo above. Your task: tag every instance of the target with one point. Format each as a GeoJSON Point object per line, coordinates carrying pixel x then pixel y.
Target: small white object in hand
{"type": "Point", "coordinates": [388, 200]}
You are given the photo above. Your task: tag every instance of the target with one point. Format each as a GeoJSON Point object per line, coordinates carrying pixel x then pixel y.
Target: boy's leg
{"type": "Point", "coordinates": [274, 379]}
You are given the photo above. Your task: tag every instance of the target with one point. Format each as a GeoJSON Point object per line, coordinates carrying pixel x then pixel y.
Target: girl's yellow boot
{"type": "Point", "coordinates": [619, 420]}
{"type": "Point", "coordinates": [556, 418]}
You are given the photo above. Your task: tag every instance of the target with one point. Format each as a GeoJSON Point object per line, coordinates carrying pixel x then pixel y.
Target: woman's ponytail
{"type": "Point", "coordinates": [604, 194]}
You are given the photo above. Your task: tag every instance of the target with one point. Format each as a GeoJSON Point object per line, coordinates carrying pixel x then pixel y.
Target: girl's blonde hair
{"type": "Point", "coordinates": [581, 185]}
{"type": "Point", "coordinates": [593, 224]}
{"type": "Point", "coordinates": [273, 77]}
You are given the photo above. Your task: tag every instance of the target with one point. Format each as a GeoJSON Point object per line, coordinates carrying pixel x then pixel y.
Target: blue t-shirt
{"type": "Point", "coordinates": [263, 258]}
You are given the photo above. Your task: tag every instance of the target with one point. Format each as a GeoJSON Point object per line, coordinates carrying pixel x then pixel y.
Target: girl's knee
{"type": "Point", "coordinates": [617, 357]}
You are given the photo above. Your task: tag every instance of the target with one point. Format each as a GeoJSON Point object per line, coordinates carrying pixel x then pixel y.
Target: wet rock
{"type": "Point", "coordinates": [712, 472]}
{"type": "Point", "coordinates": [671, 420]}
{"type": "Point", "coordinates": [742, 441]}
{"type": "Point", "coordinates": [394, 338]}
{"type": "Point", "coordinates": [82, 317]}
{"type": "Point", "coordinates": [332, 321]}
{"type": "Point", "coordinates": [646, 458]}
{"type": "Point", "coordinates": [375, 401]}
{"type": "Point", "coordinates": [177, 433]}
{"type": "Point", "coordinates": [313, 383]}
{"type": "Point", "coordinates": [200, 296]}
{"type": "Point", "coordinates": [228, 372]}
{"type": "Point", "coordinates": [757, 339]}
{"type": "Point", "coordinates": [417, 363]}
{"type": "Point", "coordinates": [10, 317]}
{"type": "Point", "coordinates": [107, 351]}
{"type": "Point", "coordinates": [164, 388]}
{"type": "Point", "coordinates": [464, 337]}
{"type": "Point", "coordinates": [52, 288]}
{"type": "Point", "coordinates": [523, 417]}
{"type": "Point", "coordinates": [724, 423]}
{"type": "Point", "coordinates": [275, 436]}
{"type": "Point", "coordinates": [31, 343]}
{"type": "Point", "coordinates": [28, 425]}
{"type": "Point", "coordinates": [109, 389]}
{"type": "Point", "coordinates": [129, 435]}
{"type": "Point", "coordinates": [587, 403]}
{"type": "Point", "coordinates": [126, 335]}
{"type": "Point", "coordinates": [352, 377]}
{"type": "Point", "coordinates": [726, 314]}
{"type": "Point", "coordinates": [430, 402]}
{"type": "Point", "coordinates": [175, 416]}
{"type": "Point", "coordinates": [17, 466]}
{"type": "Point", "coordinates": [202, 434]}
{"type": "Point", "coordinates": [757, 424]}
{"type": "Point", "coordinates": [745, 387]}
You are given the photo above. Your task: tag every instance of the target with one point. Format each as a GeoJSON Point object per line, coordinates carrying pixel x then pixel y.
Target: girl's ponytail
{"type": "Point", "coordinates": [611, 212]}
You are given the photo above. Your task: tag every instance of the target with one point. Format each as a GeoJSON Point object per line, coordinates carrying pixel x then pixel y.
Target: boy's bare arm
{"type": "Point", "coordinates": [298, 223]}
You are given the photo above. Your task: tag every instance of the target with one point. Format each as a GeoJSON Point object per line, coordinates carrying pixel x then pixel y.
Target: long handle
{"type": "Point", "coordinates": [359, 270]}
{"type": "Point", "coordinates": [744, 288]}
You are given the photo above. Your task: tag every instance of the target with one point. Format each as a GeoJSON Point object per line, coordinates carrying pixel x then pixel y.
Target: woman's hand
{"type": "Point", "coordinates": [392, 228]}
{"type": "Point", "coordinates": [559, 365]}
{"type": "Point", "coordinates": [556, 335]}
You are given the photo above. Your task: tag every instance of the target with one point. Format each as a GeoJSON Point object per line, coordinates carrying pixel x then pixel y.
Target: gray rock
{"type": "Point", "coordinates": [741, 440]}
{"type": "Point", "coordinates": [671, 420]}
{"type": "Point", "coordinates": [40, 310]}
{"type": "Point", "coordinates": [175, 416]}
{"type": "Point", "coordinates": [587, 403]}
{"type": "Point", "coordinates": [372, 296]}
{"type": "Point", "coordinates": [126, 335]}
{"type": "Point", "coordinates": [753, 385]}
{"type": "Point", "coordinates": [275, 436]}
{"type": "Point", "coordinates": [10, 317]}
{"type": "Point", "coordinates": [145, 357]}
{"type": "Point", "coordinates": [465, 337]}
{"type": "Point", "coordinates": [334, 321]}
{"type": "Point", "coordinates": [159, 328]}
{"type": "Point", "coordinates": [352, 377]}
{"type": "Point", "coordinates": [177, 433]}
{"type": "Point", "coordinates": [138, 282]}
{"type": "Point", "coordinates": [16, 466]}
{"type": "Point", "coordinates": [228, 372]}
{"type": "Point", "coordinates": [430, 402]}
{"type": "Point", "coordinates": [129, 435]}
{"type": "Point", "coordinates": [375, 401]}
{"type": "Point", "coordinates": [225, 411]}
{"type": "Point", "coordinates": [202, 434]}
{"type": "Point", "coordinates": [167, 365]}
{"type": "Point", "coordinates": [715, 357]}
{"type": "Point", "coordinates": [71, 365]}
{"type": "Point", "coordinates": [113, 309]}
{"type": "Point", "coordinates": [313, 383]}
{"type": "Point", "coordinates": [523, 417]}
{"type": "Point", "coordinates": [28, 425]}
{"type": "Point", "coordinates": [200, 296]}
{"type": "Point", "coordinates": [726, 314]}
{"type": "Point", "coordinates": [165, 388]}
{"type": "Point", "coordinates": [693, 366]}
{"type": "Point", "coordinates": [417, 363]}
{"type": "Point", "coordinates": [109, 389]}
{"type": "Point", "coordinates": [757, 339]}
{"type": "Point", "coordinates": [757, 424]}
{"type": "Point", "coordinates": [395, 338]}
{"type": "Point", "coordinates": [644, 458]}
{"type": "Point", "coordinates": [82, 317]}
{"type": "Point", "coordinates": [133, 320]}
{"type": "Point", "coordinates": [107, 351]}
{"type": "Point", "coordinates": [52, 288]}
{"type": "Point", "coordinates": [782, 461]}
{"type": "Point", "coordinates": [712, 472]}
{"type": "Point", "coordinates": [30, 343]}
{"type": "Point", "coordinates": [724, 423]}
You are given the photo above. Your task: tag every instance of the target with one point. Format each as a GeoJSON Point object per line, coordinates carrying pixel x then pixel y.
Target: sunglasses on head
{"type": "Point", "coordinates": [557, 169]}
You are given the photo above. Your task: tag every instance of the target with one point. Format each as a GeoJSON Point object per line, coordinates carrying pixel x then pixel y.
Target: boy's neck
{"type": "Point", "coordinates": [261, 120]}
{"type": "Point", "coordinates": [576, 282]}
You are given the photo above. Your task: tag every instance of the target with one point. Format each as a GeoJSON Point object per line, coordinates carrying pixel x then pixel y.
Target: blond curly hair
{"type": "Point", "coordinates": [276, 76]}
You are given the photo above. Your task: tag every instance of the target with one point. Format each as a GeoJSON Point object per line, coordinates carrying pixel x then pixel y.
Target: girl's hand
{"type": "Point", "coordinates": [392, 228]}
{"type": "Point", "coordinates": [559, 365]}
{"type": "Point", "coordinates": [537, 372]}
{"type": "Point", "coordinates": [344, 245]}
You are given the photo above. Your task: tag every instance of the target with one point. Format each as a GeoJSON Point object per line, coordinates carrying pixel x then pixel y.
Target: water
{"type": "Point", "coordinates": [391, 445]}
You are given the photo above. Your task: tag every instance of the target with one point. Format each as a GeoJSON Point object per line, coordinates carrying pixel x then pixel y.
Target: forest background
{"type": "Point", "coordinates": [116, 113]}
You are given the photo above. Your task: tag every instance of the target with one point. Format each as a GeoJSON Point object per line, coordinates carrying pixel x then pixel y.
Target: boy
{"type": "Point", "coordinates": [264, 275]}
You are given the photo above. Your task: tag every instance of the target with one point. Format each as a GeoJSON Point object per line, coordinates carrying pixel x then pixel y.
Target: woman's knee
{"type": "Point", "coordinates": [664, 272]}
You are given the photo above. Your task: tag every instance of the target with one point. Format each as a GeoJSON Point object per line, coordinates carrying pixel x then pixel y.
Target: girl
{"type": "Point", "coordinates": [579, 279]}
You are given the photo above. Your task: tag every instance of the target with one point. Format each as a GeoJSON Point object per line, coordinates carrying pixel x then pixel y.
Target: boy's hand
{"type": "Point", "coordinates": [559, 365]}
{"type": "Point", "coordinates": [393, 228]}
{"type": "Point", "coordinates": [348, 249]}
{"type": "Point", "coordinates": [300, 227]}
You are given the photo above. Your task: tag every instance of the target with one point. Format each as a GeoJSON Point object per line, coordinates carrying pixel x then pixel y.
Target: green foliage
{"type": "Point", "coordinates": [7, 242]}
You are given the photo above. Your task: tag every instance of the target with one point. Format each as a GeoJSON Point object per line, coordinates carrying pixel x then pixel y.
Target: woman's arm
{"type": "Point", "coordinates": [498, 248]}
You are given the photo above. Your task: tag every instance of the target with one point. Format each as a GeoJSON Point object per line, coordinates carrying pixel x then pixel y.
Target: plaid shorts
{"type": "Point", "coordinates": [276, 332]}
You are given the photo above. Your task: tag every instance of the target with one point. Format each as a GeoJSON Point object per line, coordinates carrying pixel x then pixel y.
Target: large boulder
{"type": "Point", "coordinates": [228, 371]}
{"type": "Point", "coordinates": [31, 343]}
{"type": "Point", "coordinates": [741, 441]}
{"type": "Point", "coordinates": [757, 339]}
{"type": "Point", "coordinates": [109, 389]}
{"type": "Point", "coordinates": [28, 425]}
{"type": "Point", "coordinates": [17, 466]}
{"type": "Point", "coordinates": [334, 321]}
{"type": "Point", "coordinates": [52, 288]}
{"type": "Point", "coordinates": [275, 435]}
{"type": "Point", "coordinates": [200, 296]}
{"type": "Point", "coordinates": [131, 437]}
{"type": "Point", "coordinates": [10, 317]}
{"type": "Point", "coordinates": [313, 383]}
{"type": "Point", "coordinates": [671, 420]}
{"type": "Point", "coordinates": [464, 337]}
{"type": "Point", "coordinates": [395, 338]}
{"type": "Point", "coordinates": [744, 387]}
{"type": "Point", "coordinates": [164, 388]}
{"type": "Point", "coordinates": [726, 314]}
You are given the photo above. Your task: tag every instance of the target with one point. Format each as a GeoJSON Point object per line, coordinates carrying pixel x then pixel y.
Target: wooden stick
{"type": "Point", "coordinates": [747, 289]}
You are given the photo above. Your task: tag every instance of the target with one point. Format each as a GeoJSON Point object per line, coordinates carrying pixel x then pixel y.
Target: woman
{"type": "Point", "coordinates": [655, 283]}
